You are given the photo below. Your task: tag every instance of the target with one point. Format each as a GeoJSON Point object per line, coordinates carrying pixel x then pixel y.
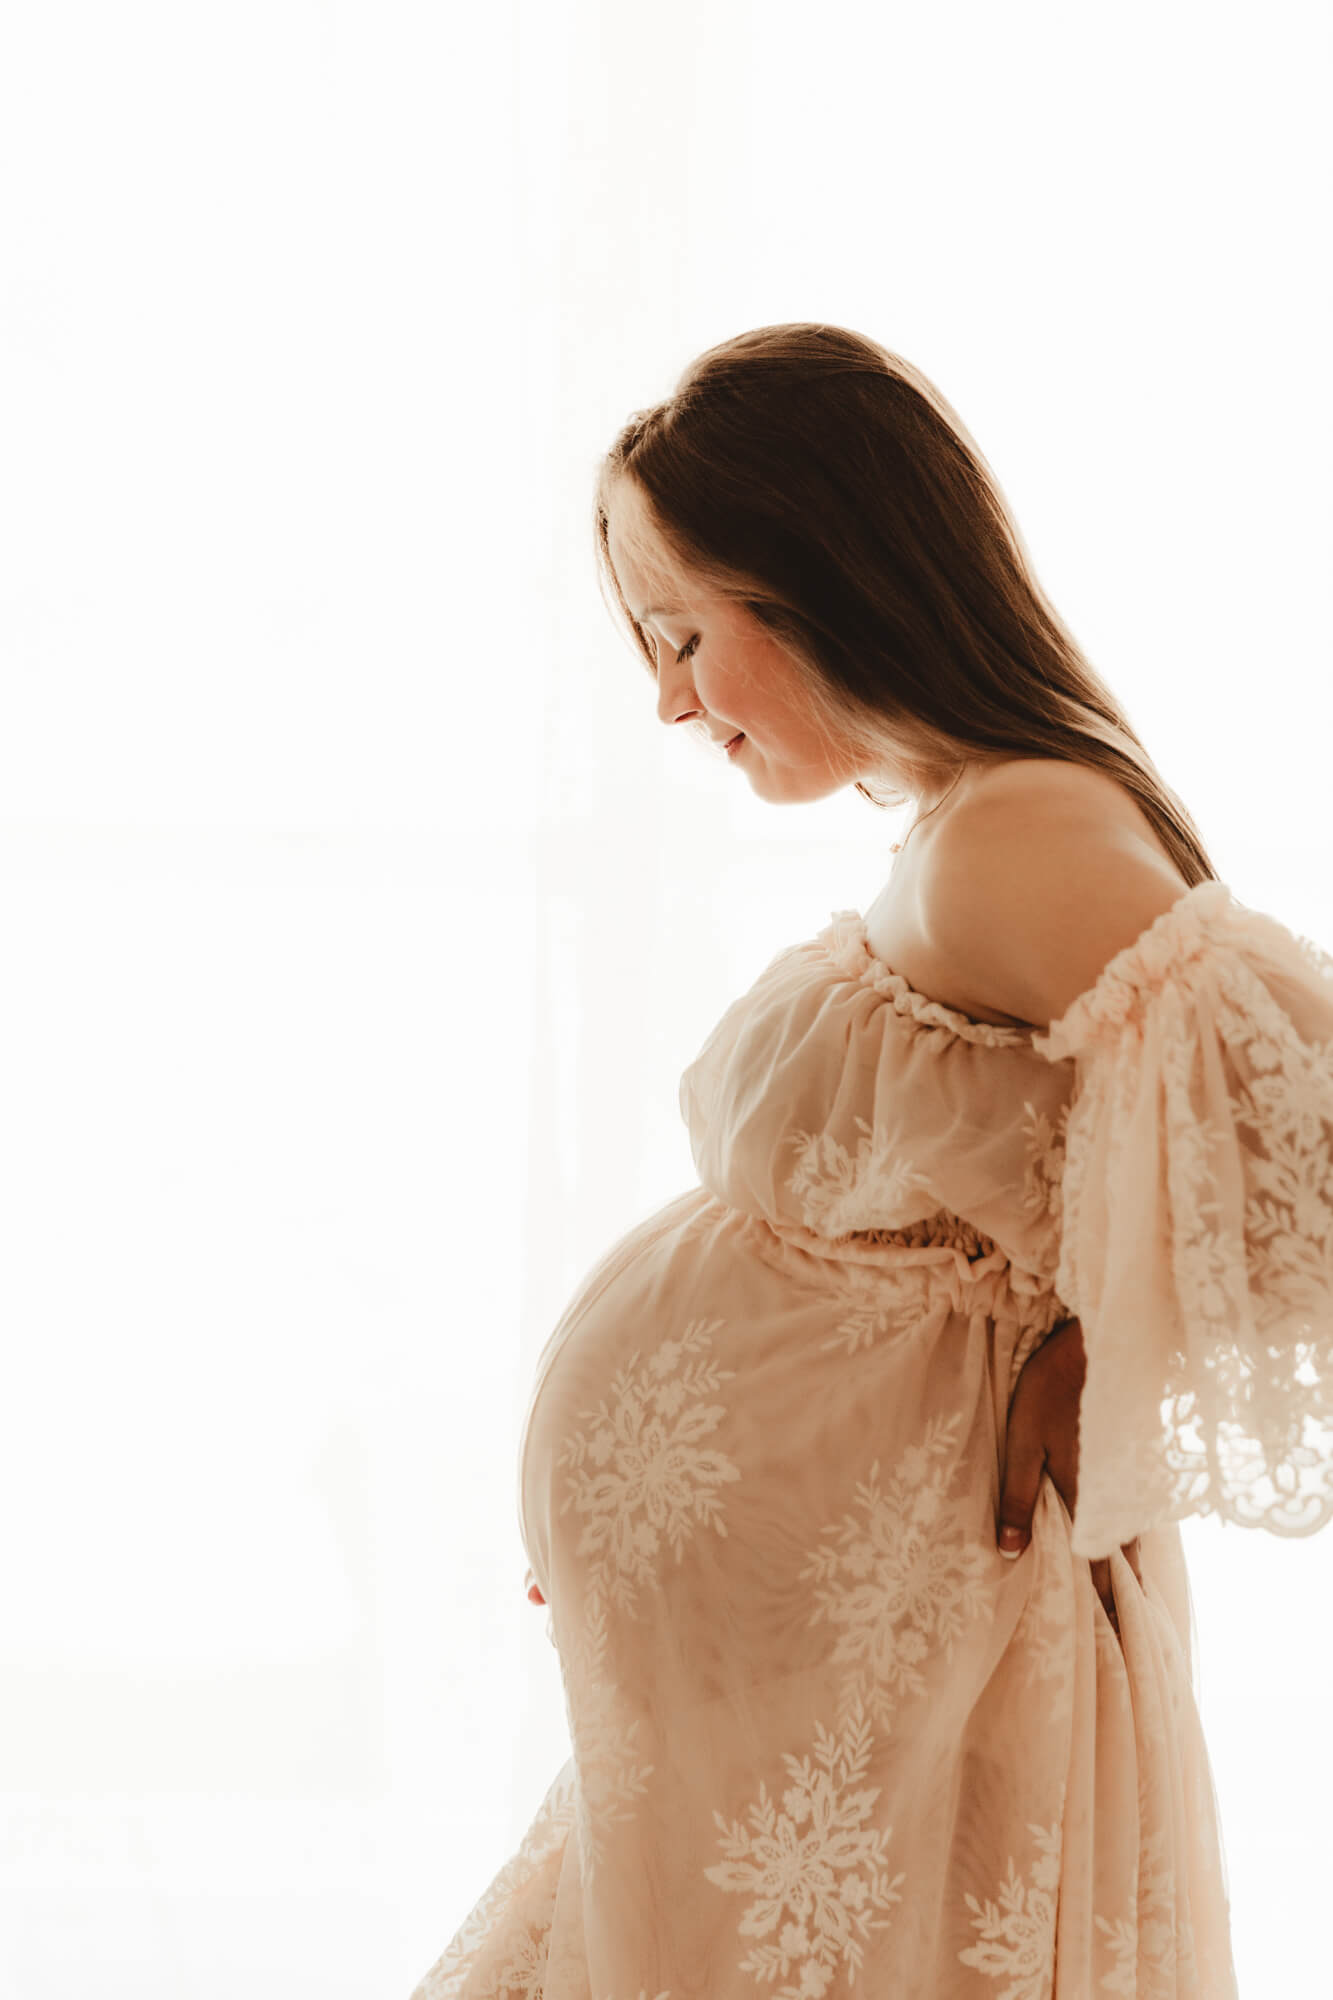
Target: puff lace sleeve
{"type": "Point", "coordinates": [1196, 1224]}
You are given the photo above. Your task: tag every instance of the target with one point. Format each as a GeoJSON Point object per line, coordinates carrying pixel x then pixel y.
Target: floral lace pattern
{"type": "Point", "coordinates": [899, 1577]}
{"type": "Point", "coordinates": [1018, 1928]}
{"type": "Point", "coordinates": [1197, 1243]}
{"type": "Point", "coordinates": [824, 1739]}
{"type": "Point", "coordinates": [844, 1193]}
{"type": "Point", "coordinates": [819, 1857]}
{"type": "Point", "coordinates": [502, 1950]}
{"type": "Point", "coordinates": [1149, 1942]}
{"type": "Point", "coordinates": [639, 1473]}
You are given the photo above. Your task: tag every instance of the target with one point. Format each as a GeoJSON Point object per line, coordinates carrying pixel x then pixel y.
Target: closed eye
{"type": "Point", "coordinates": [686, 651]}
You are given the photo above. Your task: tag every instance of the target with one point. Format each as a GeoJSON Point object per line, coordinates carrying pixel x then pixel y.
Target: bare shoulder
{"type": "Point", "coordinates": [1037, 785]}
{"type": "Point", "coordinates": [1044, 872]}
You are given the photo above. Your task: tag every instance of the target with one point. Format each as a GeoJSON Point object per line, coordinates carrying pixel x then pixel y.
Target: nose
{"type": "Point", "coordinates": [676, 699]}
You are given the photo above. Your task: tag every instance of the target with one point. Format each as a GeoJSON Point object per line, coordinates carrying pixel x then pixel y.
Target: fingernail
{"type": "Point", "coordinates": [1011, 1542]}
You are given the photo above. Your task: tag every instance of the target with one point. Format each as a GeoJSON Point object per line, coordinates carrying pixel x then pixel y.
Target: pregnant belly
{"type": "Point", "coordinates": [704, 1359]}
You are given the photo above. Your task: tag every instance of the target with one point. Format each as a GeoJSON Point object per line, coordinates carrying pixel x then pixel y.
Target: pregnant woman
{"type": "Point", "coordinates": [1022, 1172]}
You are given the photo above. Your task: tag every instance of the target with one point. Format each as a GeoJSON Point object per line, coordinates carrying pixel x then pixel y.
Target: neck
{"type": "Point", "coordinates": [930, 801]}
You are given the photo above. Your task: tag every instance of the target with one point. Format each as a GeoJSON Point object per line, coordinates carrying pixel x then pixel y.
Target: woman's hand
{"type": "Point", "coordinates": [531, 1582]}
{"type": "Point", "coordinates": [1042, 1436]}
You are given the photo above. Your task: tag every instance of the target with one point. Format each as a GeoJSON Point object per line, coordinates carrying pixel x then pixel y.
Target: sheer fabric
{"type": "Point", "coordinates": [825, 1739]}
{"type": "Point", "coordinates": [1197, 1242]}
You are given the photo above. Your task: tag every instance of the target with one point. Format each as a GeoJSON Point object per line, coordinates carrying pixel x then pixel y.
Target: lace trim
{"type": "Point", "coordinates": [1194, 924]}
{"type": "Point", "coordinates": [1239, 1361]}
{"type": "Point", "coordinates": [845, 941]}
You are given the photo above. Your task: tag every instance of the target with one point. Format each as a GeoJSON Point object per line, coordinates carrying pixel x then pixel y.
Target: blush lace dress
{"type": "Point", "coordinates": [825, 1740]}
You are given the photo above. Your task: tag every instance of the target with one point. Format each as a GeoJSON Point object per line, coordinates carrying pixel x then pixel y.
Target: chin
{"type": "Point", "coordinates": [803, 788]}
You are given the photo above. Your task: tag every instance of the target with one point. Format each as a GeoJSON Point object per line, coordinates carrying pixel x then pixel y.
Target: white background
{"type": "Point", "coordinates": [358, 915]}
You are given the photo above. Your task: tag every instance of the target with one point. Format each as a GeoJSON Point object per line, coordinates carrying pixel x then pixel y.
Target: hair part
{"type": "Point", "coordinates": [822, 482]}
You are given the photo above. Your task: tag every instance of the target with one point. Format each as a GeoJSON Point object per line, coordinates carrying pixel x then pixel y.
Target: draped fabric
{"type": "Point", "coordinates": [825, 1739]}
{"type": "Point", "coordinates": [1197, 1239]}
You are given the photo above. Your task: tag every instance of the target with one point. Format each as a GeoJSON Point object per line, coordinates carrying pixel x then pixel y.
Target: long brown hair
{"type": "Point", "coordinates": [824, 483]}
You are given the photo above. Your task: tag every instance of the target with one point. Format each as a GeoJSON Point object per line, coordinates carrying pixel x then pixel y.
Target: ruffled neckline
{"type": "Point", "coordinates": [847, 942]}
{"type": "Point", "coordinates": [1177, 932]}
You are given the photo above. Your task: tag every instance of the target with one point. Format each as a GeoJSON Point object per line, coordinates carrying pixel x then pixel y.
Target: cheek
{"type": "Point", "coordinates": [734, 692]}
{"type": "Point", "coordinates": [720, 692]}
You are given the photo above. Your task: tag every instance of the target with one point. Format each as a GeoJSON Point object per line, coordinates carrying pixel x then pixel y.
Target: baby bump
{"type": "Point", "coordinates": [760, 1489]}
{"type": "Point", "coordinates": [740, 1457]}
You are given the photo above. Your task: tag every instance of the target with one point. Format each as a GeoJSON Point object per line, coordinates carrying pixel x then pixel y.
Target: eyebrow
{"type": "Point", "coordinates": [658, 611]}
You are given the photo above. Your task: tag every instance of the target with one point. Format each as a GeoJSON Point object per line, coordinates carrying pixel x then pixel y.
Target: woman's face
{"type": "Point", "coordinates": [718, 668]}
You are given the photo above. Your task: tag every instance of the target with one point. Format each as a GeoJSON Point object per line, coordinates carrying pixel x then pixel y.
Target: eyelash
{"type": "Point", "coordinates": [685, 652]}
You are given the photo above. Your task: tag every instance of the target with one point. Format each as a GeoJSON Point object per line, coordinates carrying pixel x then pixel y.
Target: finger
{"type": "Point", "coordinates": [1024, 1462]}
{"type": "Point", "coordinates": [1130, 1551]}
{"type": "Point", "coordinates": [535, 1595]}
